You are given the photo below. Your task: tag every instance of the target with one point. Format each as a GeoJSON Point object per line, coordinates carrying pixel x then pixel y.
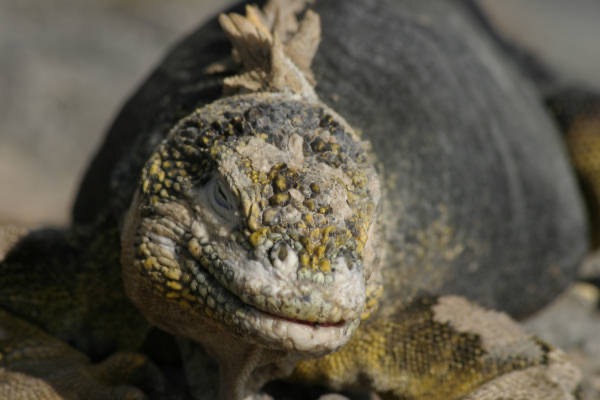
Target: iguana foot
{"type": "Point", "coordinates": [37, 366]}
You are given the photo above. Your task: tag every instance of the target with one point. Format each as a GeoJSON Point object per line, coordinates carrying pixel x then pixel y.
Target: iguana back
{"type": "Point", "coordinates": [472, 165]}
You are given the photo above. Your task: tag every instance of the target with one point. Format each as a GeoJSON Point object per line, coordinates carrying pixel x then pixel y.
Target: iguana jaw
{"type": "Point", "coordinates": [184, 312]}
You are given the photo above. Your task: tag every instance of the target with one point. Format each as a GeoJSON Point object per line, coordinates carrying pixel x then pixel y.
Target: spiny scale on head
{"type": "Point", "coordinates": [188, 159]}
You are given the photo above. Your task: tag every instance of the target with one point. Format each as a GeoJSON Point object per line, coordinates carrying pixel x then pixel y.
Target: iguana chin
{"type": "Point", "coordinates": [255, 232]}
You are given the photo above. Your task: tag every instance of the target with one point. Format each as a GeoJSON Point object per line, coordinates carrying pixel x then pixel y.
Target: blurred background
{"type": "Point", "coordinates": [66, 66]}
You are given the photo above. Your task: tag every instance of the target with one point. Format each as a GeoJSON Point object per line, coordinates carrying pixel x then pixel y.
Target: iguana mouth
{"type": "Point", "coordinates": [313, 324]}
{"type": "Point", "coordinates": [275, 328]}
{"type": "Point", "coordinates": [281, 291]}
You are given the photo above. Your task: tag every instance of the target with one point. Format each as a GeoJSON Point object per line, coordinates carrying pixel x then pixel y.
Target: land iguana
{"type": "Point", "coordinates": [344, 214]}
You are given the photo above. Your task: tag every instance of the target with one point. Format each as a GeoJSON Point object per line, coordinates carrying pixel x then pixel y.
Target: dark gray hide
{"type": "Point", "coordinates": [481, 199]}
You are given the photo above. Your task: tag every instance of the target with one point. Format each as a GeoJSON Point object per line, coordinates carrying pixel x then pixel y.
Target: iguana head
{"type": "Point", "coordinates": [256, 214]}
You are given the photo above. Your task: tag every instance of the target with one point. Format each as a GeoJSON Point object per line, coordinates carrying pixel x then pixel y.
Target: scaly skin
{"type": "Point", "coordinates": [256, 225]}
{"type": "Point", "coordinates": [444, 348]}
{"type": "Point", "coordinates": [74, 291]}
{"type": "Point", "coordinates": [252, 217]}
{"type": "Point", "coordinates": [75, 298]}
{"type": "Point", "coordinates": [37, 366]}
{"type": "Point", "coordinates": [256, 231]}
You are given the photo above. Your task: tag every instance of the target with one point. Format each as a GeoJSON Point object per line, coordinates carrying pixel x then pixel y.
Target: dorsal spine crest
{"type": "Point", "coordinates": [274, 48]}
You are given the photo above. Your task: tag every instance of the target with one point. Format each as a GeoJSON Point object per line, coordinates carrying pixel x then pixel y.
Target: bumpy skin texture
{"type": "Point", "coordinates": [247, 176]}
{"type": "Point", "coordinates": [269, 183]}
{"type": "Point", "coordinates": [266, 227]}
{"type": "Point", "coordinates": [36, 366]}
{"type": "Point", "coordinates": [74, 277]}
{"type": "Point", "coordinates": [445, 348]}
{"type": "Point", "coordinates": [469, 138]}
{"type": "Point", "coordinates": [67, 283]}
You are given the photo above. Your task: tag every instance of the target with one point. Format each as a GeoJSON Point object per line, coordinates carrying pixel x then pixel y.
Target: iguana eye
{"type": "Point", "coordinates": [222, 199]}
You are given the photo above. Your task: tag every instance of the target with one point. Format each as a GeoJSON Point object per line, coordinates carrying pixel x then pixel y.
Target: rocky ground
{"type": "Point", "coordinates": [66, 66]}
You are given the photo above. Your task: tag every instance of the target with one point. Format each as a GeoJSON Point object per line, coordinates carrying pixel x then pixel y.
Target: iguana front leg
{"type": "Point", "coordinates": [446, 348]}
{"type": "Point", "coordinates": [37, 366]}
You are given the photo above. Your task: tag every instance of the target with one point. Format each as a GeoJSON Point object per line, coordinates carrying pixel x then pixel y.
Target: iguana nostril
{"type": "Point", "coordinates": [279, 253]}
{"type": "Point", "coordinates": [282, 253]}
{"type": "Point", "coordinates": [282, 257]}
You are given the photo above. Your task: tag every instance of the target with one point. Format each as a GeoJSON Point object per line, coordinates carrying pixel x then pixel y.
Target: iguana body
{"type": "Point", "coordinates": [266, 226]}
